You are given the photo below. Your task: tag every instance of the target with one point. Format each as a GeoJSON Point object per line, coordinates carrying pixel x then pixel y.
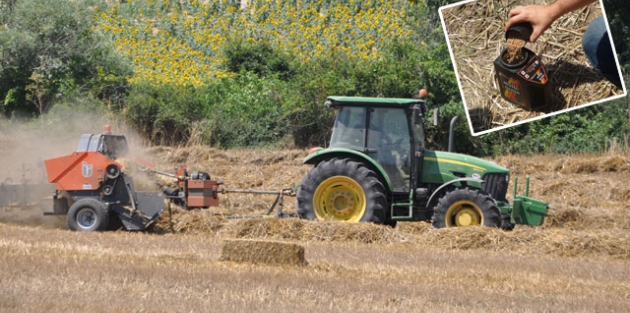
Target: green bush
{"type": "Point", "coordinates": [592, 129]}
{"type": "Point", "coordinates": [246, 111]}
{"type": "Point", "coordinates": [240, 111]}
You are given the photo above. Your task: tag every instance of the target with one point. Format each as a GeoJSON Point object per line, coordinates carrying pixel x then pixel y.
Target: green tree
{"type": "Point", "coordinates": [48, 51]}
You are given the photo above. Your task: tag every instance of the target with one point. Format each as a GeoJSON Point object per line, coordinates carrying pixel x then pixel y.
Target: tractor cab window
{"type": "Point", "coordinates": [389, 144]}
{"type": "Point", "coordinates": [419, 138]}
{"type": "Point", "coordinates": [349, 129]}
{"type": "Point", "coordinates": [388, 139]}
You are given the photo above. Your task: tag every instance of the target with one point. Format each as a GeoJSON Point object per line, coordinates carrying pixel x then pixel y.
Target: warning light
{"type": "Point", "coordinates": [422, 94]}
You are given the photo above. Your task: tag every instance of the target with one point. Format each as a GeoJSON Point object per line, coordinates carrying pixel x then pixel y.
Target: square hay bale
{"type": "Point", "coordinates": [262, 252]}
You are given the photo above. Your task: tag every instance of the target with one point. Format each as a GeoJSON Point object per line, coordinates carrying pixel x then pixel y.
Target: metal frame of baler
{"type": "Point", "coordinates": [279, 201]}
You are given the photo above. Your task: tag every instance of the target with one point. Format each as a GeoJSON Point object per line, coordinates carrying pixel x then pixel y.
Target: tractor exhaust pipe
{"type": "Point", "coordinates": [451, 134]}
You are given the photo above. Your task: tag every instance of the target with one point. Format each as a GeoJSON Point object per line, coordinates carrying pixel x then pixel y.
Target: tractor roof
{"type": "Point", "coordinates": [335, 101]}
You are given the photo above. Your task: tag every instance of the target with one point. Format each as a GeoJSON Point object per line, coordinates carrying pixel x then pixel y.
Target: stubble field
{"type": "Point", "coordinates": [578, 261]}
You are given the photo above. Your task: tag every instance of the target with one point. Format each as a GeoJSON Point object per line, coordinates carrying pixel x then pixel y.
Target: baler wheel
{"type": "Point", "coordinates": [88, 214]}
{"type": "Point", "coordinates": [466, 207]}
{"type": "Point", "coordinates": [342, 189]}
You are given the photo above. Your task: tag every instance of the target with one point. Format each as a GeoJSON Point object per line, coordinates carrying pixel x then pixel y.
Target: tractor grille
{"type": "Point", "coordinates": [496, 185]}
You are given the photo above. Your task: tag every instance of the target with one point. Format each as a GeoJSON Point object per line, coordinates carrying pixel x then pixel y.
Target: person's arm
{"type": "Point", "coordinates": [542, 16]}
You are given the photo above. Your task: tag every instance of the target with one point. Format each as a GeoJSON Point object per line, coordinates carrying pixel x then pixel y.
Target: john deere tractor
{"type": "Point", "coordinates": [378, 169]}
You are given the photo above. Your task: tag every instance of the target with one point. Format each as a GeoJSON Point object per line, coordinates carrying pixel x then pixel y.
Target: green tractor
{"type": "Point", "coordinates": [377, 169]}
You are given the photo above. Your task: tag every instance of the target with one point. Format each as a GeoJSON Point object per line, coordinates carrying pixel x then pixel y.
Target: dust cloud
{"type": "Point", "coordinates": [24, 145]}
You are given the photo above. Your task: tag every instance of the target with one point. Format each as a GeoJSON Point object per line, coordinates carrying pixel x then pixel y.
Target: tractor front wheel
{"type": "Point", "coordinates": [466, 207]}
{"type": "Point", "coordinates": [342, 189]}
{"type": "Point", "coordinates": [88, 214]}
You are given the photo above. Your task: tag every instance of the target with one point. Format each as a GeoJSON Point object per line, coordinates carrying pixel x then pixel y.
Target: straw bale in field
{"type": "Point", "coordinates": [262, 251]}
{"type": "Point", "coordinates": [476, 34]}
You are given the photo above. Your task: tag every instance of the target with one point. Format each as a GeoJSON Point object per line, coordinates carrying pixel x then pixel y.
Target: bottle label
{"type": "Point", "coordinates": [534, 71]}
{"type": "Point", "coordinates": [511, 88]}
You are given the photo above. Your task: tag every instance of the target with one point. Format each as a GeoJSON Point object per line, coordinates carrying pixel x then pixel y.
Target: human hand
{"type": "Point", "coordinates": [539, 16]}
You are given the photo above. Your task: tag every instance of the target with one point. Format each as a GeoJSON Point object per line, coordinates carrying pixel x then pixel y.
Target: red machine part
{"type": "Point", "coordinates": [181, 173]}
{"type": "Point", "coordinates": [202, 193]}
{"type": "Point", "coordinates": [78, 171]}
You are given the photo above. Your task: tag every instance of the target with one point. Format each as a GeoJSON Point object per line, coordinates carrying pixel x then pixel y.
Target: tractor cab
{"type": "Point", "coordinates": [382, 130]}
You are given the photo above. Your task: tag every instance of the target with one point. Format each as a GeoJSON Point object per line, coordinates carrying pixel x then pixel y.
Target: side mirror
{"type": "Point", "coordinates": [420, 109]}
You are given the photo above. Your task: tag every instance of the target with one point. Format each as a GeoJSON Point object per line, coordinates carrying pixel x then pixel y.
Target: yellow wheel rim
{"type": "Point", "coordinates": [463, 213]}
{"type": "Point", "coordinates": [339, 198]}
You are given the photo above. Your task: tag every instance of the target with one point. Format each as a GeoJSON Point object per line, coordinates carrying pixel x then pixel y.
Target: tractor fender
{"type": "Point", "coordinates": [439, 190]}
{"type": "Point", "coordinates": [318, 155]}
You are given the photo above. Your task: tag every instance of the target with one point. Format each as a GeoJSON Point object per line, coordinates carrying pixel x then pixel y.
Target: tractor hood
{"type": "Point", "coordinates": [439, 166]}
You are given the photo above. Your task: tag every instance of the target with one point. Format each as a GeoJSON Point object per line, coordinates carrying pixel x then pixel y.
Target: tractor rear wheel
{"type": "Point", "coordinates": [88, 214]}
{"type": "Point", "coordinates": [506, 222]}
{"type": "Point", "coordinates": [342, 189]}
{"type": "Point", "coordinates": [466, 207]}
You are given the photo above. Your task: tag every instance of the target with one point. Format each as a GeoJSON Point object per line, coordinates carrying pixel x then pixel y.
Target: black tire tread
{"type": "Point", "coordinates": [99, 208]}
{"type": "Point", "coordinates": [506, 223]}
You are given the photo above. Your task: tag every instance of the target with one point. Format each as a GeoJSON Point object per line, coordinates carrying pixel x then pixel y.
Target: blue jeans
{"type": "Point", "coordinates": [599, 52]}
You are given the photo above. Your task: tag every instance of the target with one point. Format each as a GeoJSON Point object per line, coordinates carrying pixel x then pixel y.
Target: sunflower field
{"type": "Point", "coordinates": [266, 65]}
{"type": "Point", "coordinates": [183, 43]}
